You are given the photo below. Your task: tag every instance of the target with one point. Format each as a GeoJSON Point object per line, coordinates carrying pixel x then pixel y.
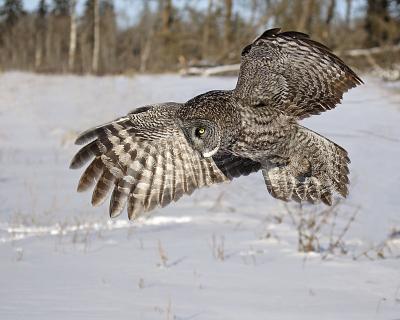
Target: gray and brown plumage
{"type": "Point", "coordinates": [157, 153]}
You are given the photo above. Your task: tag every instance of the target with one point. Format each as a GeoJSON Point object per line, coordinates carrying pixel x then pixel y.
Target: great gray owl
{"type": "Point", "coordinates": [157, 153]}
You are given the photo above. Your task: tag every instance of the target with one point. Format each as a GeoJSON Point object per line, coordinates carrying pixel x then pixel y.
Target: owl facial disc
{"type": "Point", "coordinates": [203, 136]}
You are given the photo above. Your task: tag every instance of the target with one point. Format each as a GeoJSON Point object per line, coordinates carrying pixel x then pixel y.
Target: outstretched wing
{"type": "Point", "coordinates": [293, 73]}
{"type": "Point", "coordinates": [147, 161]}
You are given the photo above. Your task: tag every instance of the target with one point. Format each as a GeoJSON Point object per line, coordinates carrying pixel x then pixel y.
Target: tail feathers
{"type": "Point", "coordinates": [317, 168]}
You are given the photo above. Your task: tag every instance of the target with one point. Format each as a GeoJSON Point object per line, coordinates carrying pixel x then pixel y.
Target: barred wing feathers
{"type": "Point", "coordinates": [317, 169]}
{"type": "Point", "coordinates": [146, 164]}
{"type": "Point", "coordinates": [293, 73]}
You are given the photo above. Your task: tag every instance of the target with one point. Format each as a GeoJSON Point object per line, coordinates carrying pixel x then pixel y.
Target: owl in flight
{"type": "Point", "coordinates": [157, 153]}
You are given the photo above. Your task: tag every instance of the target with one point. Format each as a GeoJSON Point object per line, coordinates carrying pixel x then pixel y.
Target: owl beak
{"type": "Point", "coordinates": [210, 153]}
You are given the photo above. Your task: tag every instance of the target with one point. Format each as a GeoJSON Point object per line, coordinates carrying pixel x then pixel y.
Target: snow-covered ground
{"type": "Point", "coordinates": [228, 252]}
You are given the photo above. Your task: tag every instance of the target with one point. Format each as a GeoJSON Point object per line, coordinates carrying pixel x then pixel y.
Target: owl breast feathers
{"type": "Point", "coordinates": [157, 153]}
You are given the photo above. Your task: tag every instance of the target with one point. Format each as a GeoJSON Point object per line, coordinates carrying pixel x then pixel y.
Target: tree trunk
{"type": "Point", "coordinates": [72, 38]}
{"type": "Point", "coordinates": [166, 17]}
{"type": "Point", "coordinates": [348, 13]}
{"type": "Point", "coordinates": [207, 31]}
{"type": "Point", "coordinates": [330, 13]}
{"type": "Point", "coordinates": [376, 22]}
{"type": "Point", "coordinates": [39, 49]}
{"type": "Point", "coordinates": [96, 36]}
{"type": "Point", "coordinates": [228, 25]}
{"type": "Point", "coordinates": [49, 41]}
{"type": "Point", "coordinates": [304, 23]}
{"type": "Point", "coordinates": [144, 57]}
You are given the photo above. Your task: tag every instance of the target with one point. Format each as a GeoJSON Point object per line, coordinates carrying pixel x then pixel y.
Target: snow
{"type": "Point", "coordinates": [227, 252]}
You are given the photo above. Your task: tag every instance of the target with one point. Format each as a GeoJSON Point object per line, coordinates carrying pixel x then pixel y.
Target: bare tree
{"type": "Point", "coordinates": [108, 43]}
{"type": "Point", "coordinates": [304, 22]}
{"type": "Point", "coordinates": [96, 39]}
{"type": "Point", "coordinates": [57, 36]}
{"type": "Point", "coordinates": [72, 37]}
{"type": "Point", "coordinates": [330, 13]}
{"type": "Point", "coordinates": [207, 30]}
{"type": "Point", "coordinates": [376, 22]}
{"type": "Point", "coordinates": [227, 25]}
{"type": "Point", "coordinates": [146, 24]}
{"type": "Point", "coordinates": [348, 13]}
{"type": "Point", "coordinates": [166, 17]}
{"type": "Point", "coordinates": [40, 25]}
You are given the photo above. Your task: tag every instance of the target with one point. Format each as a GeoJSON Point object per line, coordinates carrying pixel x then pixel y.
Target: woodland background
{"type": "Point", "coordinates": [167, 35]}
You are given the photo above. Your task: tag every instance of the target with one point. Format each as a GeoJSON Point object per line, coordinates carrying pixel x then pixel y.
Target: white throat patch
{"type": "Point", "coordinates": [211, 153]}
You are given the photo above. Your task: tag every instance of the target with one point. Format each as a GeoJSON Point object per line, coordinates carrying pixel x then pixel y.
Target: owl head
{"type": "Point", "coordinates": [203, 135]}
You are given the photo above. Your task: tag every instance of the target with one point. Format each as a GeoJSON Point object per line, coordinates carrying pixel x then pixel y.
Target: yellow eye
{"type": "Point", "coordinates": [200, 131]}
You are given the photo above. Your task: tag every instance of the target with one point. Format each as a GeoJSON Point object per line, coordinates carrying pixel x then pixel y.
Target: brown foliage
{"type": "Point", "coordinates": [169, 34]}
